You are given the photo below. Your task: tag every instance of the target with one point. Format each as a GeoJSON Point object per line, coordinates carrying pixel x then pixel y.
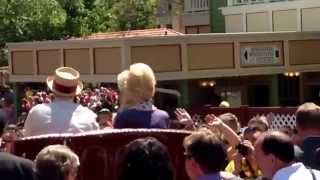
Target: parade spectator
{"type": "Point", "coordinates": [146, 159]}
{"type": "Point", "coordinates": [307, 121]}
{"type": "Point", "coordinates": [104, 119]}
{"type": "Point", "coordinates": [308, 134]}
{"type": "Point", "coordinates": [137, 87]}
{"type": "Point", "coordinates": [260, 122]}
{"type": "Point", "coordinates": [274, 152]}
{"type": "Point", "coordinates": [206, 156]}
{"type": "Point", "coordinates": [13, 167]}
{"type": "Point", "coordinates": [231, 120]}
{"type": "Point", "coordinates": [56, 162]}
{"type": "Point", "coordinates": [62, 115]}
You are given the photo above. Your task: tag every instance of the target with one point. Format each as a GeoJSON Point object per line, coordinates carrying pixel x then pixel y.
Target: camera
{"type": "Point", "coordinates": [243, 149]}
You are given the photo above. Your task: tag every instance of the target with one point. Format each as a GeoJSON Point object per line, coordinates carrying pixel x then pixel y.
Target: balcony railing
{"type": "Point", "coordinates": [249, 2]}
{"type": "Point", "coordinates": [196, 5]}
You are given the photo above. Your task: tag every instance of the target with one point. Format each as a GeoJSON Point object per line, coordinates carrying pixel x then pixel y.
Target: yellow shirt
{"type": "Point", "coordinates": [245, 170]}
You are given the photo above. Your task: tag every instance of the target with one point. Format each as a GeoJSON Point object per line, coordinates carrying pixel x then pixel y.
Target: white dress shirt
{"type": "Point", "coordinates": [296, 171]}
{"type": "Point", "coordinates": [60, 116]}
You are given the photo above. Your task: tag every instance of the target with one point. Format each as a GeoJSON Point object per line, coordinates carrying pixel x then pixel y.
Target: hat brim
{"type": "Point", "coordinates": [50, 86]}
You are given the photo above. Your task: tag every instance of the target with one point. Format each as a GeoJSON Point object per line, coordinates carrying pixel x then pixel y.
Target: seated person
{"type": "Point", "coordinates": [146, 159]}
{"type": "Point", "coordinates": [56, 162]}
{"type": "Point", "coordinates": [104, 119]}
{"type": "Point", "coordinates": [137, 88]}
{"type": "Point", "coordinates": [62, 115]}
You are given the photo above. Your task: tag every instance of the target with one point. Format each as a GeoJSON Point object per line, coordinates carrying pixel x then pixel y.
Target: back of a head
{"type": "Point", "coordinates": [231, 120]}
{"type": "Point", "coordinates": [55, 162]}
{"type": "Point", "coordinates": [141, 81]}
{"type": "Point", "coordinates": [308, 116]}
{"type": "Point", "coordinates": [207, 150]}
{"type": "Point", "coordinates": [146, 159]}
{"type": "Point", "coordinates": [278, 144]}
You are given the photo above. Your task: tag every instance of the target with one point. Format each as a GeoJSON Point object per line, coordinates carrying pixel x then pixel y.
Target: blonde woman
{"type": "Point", "coordinates": [137, 88]}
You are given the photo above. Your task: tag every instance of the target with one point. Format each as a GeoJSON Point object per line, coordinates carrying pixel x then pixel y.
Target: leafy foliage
{"type": "Point", "coordinates": [133, 14]}
{"type": "Point", "coordinates": [29, 20]}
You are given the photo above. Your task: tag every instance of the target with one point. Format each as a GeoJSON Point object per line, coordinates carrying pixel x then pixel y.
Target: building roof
{"type": "Point", "coordinates": [133, 33]}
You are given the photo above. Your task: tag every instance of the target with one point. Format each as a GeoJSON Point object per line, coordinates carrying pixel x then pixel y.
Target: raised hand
{"type": "Point", "coordinates": [183, 116]}
{"type": "Point", "coordinates": [213, 120]}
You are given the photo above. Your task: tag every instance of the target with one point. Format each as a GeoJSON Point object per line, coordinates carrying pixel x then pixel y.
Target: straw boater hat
{"type": "Point", "coordinates": [65, 82]}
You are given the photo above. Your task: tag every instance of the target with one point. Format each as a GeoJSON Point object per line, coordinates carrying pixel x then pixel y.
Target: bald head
{"type": "Point", "coordinates": [273, 151]}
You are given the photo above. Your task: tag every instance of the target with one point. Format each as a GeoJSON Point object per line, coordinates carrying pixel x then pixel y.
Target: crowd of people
{"type": "Point", "coordinates": [218, 148]}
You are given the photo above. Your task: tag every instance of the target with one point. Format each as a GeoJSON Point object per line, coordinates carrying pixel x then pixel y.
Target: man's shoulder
{"type": "Point", "coordinates": [12, 159]}
{"type": "Point", "coordinates": [14, 167]}
{"type": "Point", "coordinates": [85, 110]}
{"type": "Point", "coordinates": [130, 112]}
{"type": "Point", "coordinates": [40, 107]}
{"type": "Point", "coordinates": [294, 171]}
{"type": "Point", "coordinates": [160, 112]}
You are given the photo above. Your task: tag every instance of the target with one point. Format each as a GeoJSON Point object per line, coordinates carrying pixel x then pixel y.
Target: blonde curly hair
{"type": "Point", "coordinates": [137, 84]}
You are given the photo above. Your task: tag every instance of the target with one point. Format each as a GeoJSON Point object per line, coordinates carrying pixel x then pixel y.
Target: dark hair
{"type": "Point", "coordinates": [146, 159]}
{"type": "Point", "coordinates": [308, 115]}
{"type": "Point", "coordinates": [207, 150]}
{"type": "Point", "coordinates": [278, 144]}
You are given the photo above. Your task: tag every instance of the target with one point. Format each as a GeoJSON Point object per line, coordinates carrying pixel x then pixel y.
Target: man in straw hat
{"type": "Point", "coordinates": [62, 115]}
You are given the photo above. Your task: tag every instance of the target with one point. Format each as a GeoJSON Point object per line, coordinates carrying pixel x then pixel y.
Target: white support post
{"type": "Point", "coordinates": [34, 61]}
{"type": "Point", "coordinates": [125, 55]}
{"type": "Point", "coordinates": [184, 57]}
{"type": "Point", "coordinates": [270, 15]}
{"type": "Point", "coordinates": [299, 20]}
{"type": "Point", "coordinates": [62, 57]}
{"type": "Point", "coordinates": [92, 64]}
{"type": "Point", "coordinates": [237, 54]}
{"type": "Point", "coordinates": [244, 21]}
{"type": "Point", "coordinates": [286, 55]}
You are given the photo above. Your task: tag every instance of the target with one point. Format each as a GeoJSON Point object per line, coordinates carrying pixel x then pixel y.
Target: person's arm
{"type": "Point", "coordinates": [228, 133]}
{"type": "Point", "coordinates": [184, 118]}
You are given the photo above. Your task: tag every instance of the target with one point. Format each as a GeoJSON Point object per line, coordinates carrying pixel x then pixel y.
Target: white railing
{"type": "Point", "coordinates": [249, 2]}
{"type": "Point", "coordinates": [196, 5]}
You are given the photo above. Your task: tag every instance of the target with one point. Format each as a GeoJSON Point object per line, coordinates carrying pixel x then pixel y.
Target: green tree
{"type": "Point", "coordinates": [28, 20]}
{"type": "Point", "coordinates": [133, 14]}
{"type": "Point", "coordinates": [99, 15]}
